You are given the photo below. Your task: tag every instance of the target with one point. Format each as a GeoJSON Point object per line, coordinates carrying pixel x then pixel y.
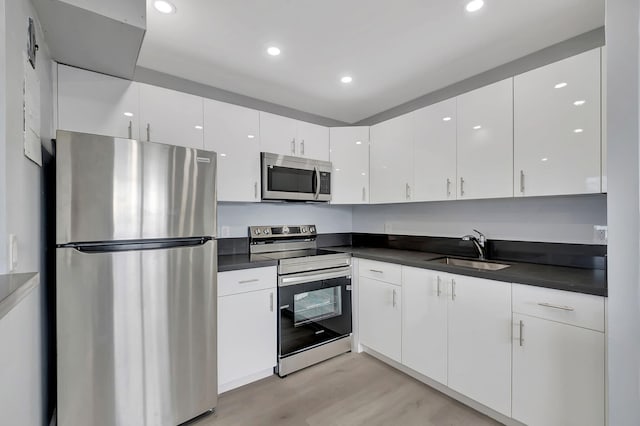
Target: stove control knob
{"type": "Point", "coordinates": [304, 229]}
{"type": "Point", "coordinates": [285, 229]}
{"type": "Point", "coordinates": [257, 232]}
{"type": "Point", "coordinates": [266, 231]}
{"type": "Point", "coordinates": [312, 229]}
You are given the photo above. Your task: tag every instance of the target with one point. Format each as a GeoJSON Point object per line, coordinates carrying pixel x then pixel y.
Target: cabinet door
{"type": "Point", "coordinates": [392, 160]}
{"type": "Point", "coordinates": [557, 127]}
{"type": "Point", "coordinates": [171, 117]}
{"type": "Point", "coordinates": [278, 134]}
{"type": "Point", "coordinates": [485, 142]}
{"type": "Point", "coordinates": [380, 317]}
{"type": "Point", "coordinates": [313, 141]}
{"type": "Point", "coordinates": [479, 358]}
{"type": "Point", "coordinates": [434, 152]}
{"type": "Point", "coordinates": [233, 132]}
{"type": "Point", "coordinates": [424, 322]}
{"type": "Point", "coordinates": [246, 334]}
{"type": "Point", "coordinates": [350, 160]}
{"type": "Point", "coordinates": [558, 374]}
{"type": "Point", "coordinates": [89, 102]}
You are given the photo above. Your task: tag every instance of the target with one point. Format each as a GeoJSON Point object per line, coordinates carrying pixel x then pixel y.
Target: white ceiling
{"type": "Point", "coordinates": [396, 50]}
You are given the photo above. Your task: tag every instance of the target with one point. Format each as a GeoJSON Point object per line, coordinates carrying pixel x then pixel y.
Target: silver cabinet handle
{"type": "Point", "coordinates": [293, 146]}
{"type": "Point", "coordinates": [408, 191]}
{"type": "Point", "coordinates": [453, 289]}
{"type": "Point", "coordinates": [148, 131]}
{"type": "Point", "coordinates": [522, 181]}
{"type": "Point", "coordinates": [376, 270]}
{"type": "Point", "coordinates": [254, 280]}
{"type": "Point", "coordinates": [302, 147]}
{"type": "Point", "coordinates": [394, 297]}
{"type": "Point", "coordinates": [562, 307]}
{"type": "Point", "coordinates": [461, 187]}
{"type": "Point", "coordinates": [271, 301]}
{"type": "Point", "coordinates": [255, 190]}
{"type": "Point", "coordinates": [448, 187]}
{"type": "Point", "coordinates": [438, 286]}
{"type": "Point", "coordinates": [364, 194]}
{"type": "Point", "coordinates": [521, 333]}
{"type": "Point", "coordinates": [130, 129]}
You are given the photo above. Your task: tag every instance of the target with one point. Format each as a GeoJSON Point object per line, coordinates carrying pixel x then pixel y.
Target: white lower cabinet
{"type": "Point", "coordinates": [247, 326]}
{"type": "Point", "coordinates": [424, 322]}
{"type": "Point", "coordinates": [380, 317]}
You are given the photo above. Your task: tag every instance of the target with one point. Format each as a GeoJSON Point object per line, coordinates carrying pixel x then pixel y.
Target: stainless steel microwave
{"type": "Point", "coordinates": [295, 178]}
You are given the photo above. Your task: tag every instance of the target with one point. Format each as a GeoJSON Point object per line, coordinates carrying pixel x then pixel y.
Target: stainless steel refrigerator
{"type": "Point", "coordinates": [135, 281]}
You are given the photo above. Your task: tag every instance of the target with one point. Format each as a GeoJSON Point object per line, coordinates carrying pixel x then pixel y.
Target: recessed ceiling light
{"type": "Point", "coordinates": [579, 103]}
{"type": "Point", "coordinates": [578, 131]}
{"type": "Point", "coordinates": [198, 127]}
{"type": "Point", "coordinates": [560, 85]}
{"type": "Point", "coordinates": [273, 51]}
{"type": "Point", "coordinates": [358, 142]}
{"type": "Point", "coordinates": [544, 159]}
{"type": "Point", "coordinates": [128, 114]}
{"type": "Point", "coordinates": [363, 174]}
{"type": "Point", "coordinates": [474, 5]}
{"type": "Point", "coordinates": [346, 79]}
{"type": "Point", "coordinates": [250, 136]}
{"type": "Point", "coordinates": [446, 119]}
{"type": "Point", "coordinates": [478, 127]}
{"type": "Point", "coordinates": [164, 6]}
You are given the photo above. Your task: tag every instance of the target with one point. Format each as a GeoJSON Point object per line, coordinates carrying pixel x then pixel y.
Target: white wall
{"type": "Point", "coordinates": [622, 18]}
{"type": "Point", "coordinates": [551, 219]}
{"type": "Point", "coordinates": [234, 218]}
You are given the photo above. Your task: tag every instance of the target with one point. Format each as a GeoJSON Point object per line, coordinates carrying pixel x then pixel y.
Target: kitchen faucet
{"type": "Point", "coordinates": [478, 242]}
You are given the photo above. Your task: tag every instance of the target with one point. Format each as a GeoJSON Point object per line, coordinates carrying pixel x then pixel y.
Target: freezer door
{"type": "Point", "coordinates": [136, 336]}
{"type": "Point", "coordinates": [120, 189]}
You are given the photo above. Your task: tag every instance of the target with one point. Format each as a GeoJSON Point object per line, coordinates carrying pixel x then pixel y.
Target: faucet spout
{"type": "Point", "coordinates": [478, 243]}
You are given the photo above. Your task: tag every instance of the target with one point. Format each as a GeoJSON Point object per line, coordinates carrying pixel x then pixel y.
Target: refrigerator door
{"type": "Point", "coordinates": [136, 335]}
{"type": "Point", "coordinates": [121, 189]}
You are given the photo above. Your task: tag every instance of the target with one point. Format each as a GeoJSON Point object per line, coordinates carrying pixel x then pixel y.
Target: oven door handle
{"type": "Point", "coordinates": [317, 172]}
{"type": "Point", "coordinates": [308, 277]}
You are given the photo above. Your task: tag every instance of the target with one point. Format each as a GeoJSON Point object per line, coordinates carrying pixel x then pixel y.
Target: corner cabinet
{"type": "Point", "coordinates": [89, 102]}
{"type": "Point", "coordinates": [171, 117]}
{"type": "Point", "coordinates": [391, 165]}
{"type": "Point", "coordinates": [557, 128]}
{"type": "Point", "coordinates": [233, 132]}
{"type": "Point", "coordinates": [247, 325]}
{"type": "Point", "coordinates": [485, 142]}
{"type": "Point", "coordinates": [434, 152]}
{"type": "Point", "coordinates": [349, 155]}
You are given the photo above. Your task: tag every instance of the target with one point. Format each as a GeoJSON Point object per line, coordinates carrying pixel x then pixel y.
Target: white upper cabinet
{"type": "Point", "coordinates": [313, 141]}
{"type": "Point", "coordinates": [424, 322]}
{"type": "Point", "coordinates": [603, 100]}
{"type": "Point", "coordinates": [479, 361]}
{"type": "Point", "coordinates": [434, 152]}
{"type": "Point", "coordinates": [557, 128]}
{"type": "Point", "coordinates": [171, 117]}
{"type": "Point", "coordinates": [234, 133]}
{"type": "Point", "coordinates": [286, 136]}
{"type": "Point", "coordinates": [485, 142]}
{"type": "Point", "coordinates": [391, 165]}
{"type": "Point", "coordinates": [349, 155]}
{"type": "Point", "coordinates": [95, 103]}
{"type": "Point", "coordinates": [278, 134]}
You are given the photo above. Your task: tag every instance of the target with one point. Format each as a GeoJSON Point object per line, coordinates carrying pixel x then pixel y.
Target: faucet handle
{"type": "Point", "coordinates": [482, 238]}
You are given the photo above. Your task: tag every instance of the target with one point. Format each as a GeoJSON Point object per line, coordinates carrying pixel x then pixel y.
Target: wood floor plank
{"type": "Point", "coordinates": [349, 390]}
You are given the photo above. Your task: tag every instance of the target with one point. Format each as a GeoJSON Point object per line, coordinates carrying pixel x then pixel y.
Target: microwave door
{"type": "Point", "coordinates": [290, 183]}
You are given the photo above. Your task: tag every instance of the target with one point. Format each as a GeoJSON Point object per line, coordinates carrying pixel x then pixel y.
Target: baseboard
{"type": "Point", "coordinates": [226, 387]}
{"type": "Point", "coordinates": [508, 421]}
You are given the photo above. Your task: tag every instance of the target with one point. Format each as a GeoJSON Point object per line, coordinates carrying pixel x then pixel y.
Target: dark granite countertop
{"type": "Point", "coordinates": [232, 262]}
{"type": "Point", "coordinates": [589, 281]}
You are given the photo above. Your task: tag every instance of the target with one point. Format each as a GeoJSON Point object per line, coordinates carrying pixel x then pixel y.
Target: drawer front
{"type": "Point", "coordinates": [245, 280]}
{"type": "Point", "coordinates": [382, 271]}
{"type": "Point", "coordinates": [582, 310]}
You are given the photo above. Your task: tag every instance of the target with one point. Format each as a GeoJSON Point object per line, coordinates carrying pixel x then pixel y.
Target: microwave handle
{"type": "Point", "coordinates": [317, 173]}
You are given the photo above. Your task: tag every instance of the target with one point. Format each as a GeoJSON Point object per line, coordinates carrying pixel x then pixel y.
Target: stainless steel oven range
{"type": "Point", "coordinates": [314, 295]}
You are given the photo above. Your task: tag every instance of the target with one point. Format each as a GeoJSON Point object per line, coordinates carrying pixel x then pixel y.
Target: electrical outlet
{"type": "Point", "coordinates": [13, 252]}
{"type": "Point", "coordinates": [600, 234]}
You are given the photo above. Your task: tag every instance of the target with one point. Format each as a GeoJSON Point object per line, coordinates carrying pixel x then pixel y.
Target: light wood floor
{"type": "Point", "coordinates": [350, 390]}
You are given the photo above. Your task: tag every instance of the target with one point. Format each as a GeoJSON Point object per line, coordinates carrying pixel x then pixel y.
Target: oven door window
{"type": "Point", "coordinates": [286, 179]}
{"type": "Point", "coordinates": [316, 305]}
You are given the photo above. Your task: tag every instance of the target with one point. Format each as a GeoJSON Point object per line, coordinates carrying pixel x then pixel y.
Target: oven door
{"type": "Point", "coordinates": [315, 307]}
{"type": "Point", "coordinates": [293, 178]}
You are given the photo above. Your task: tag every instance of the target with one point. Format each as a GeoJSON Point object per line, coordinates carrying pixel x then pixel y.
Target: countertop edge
{"type": "Point", "coordinates": [247, 265]}
{"type": "Point", "coordinates": [27, 282]}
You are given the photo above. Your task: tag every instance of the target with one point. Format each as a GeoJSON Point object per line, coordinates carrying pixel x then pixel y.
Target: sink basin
{"type": "Point", "coordinates": [473, 264]}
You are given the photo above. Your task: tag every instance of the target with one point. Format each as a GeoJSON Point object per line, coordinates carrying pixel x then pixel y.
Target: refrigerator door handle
{"type": "Point", "coordinates": [134, 245]}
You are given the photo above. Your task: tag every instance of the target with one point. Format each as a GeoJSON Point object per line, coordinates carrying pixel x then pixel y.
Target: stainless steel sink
{"type": "Point", "coordinates": [473, 264]}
